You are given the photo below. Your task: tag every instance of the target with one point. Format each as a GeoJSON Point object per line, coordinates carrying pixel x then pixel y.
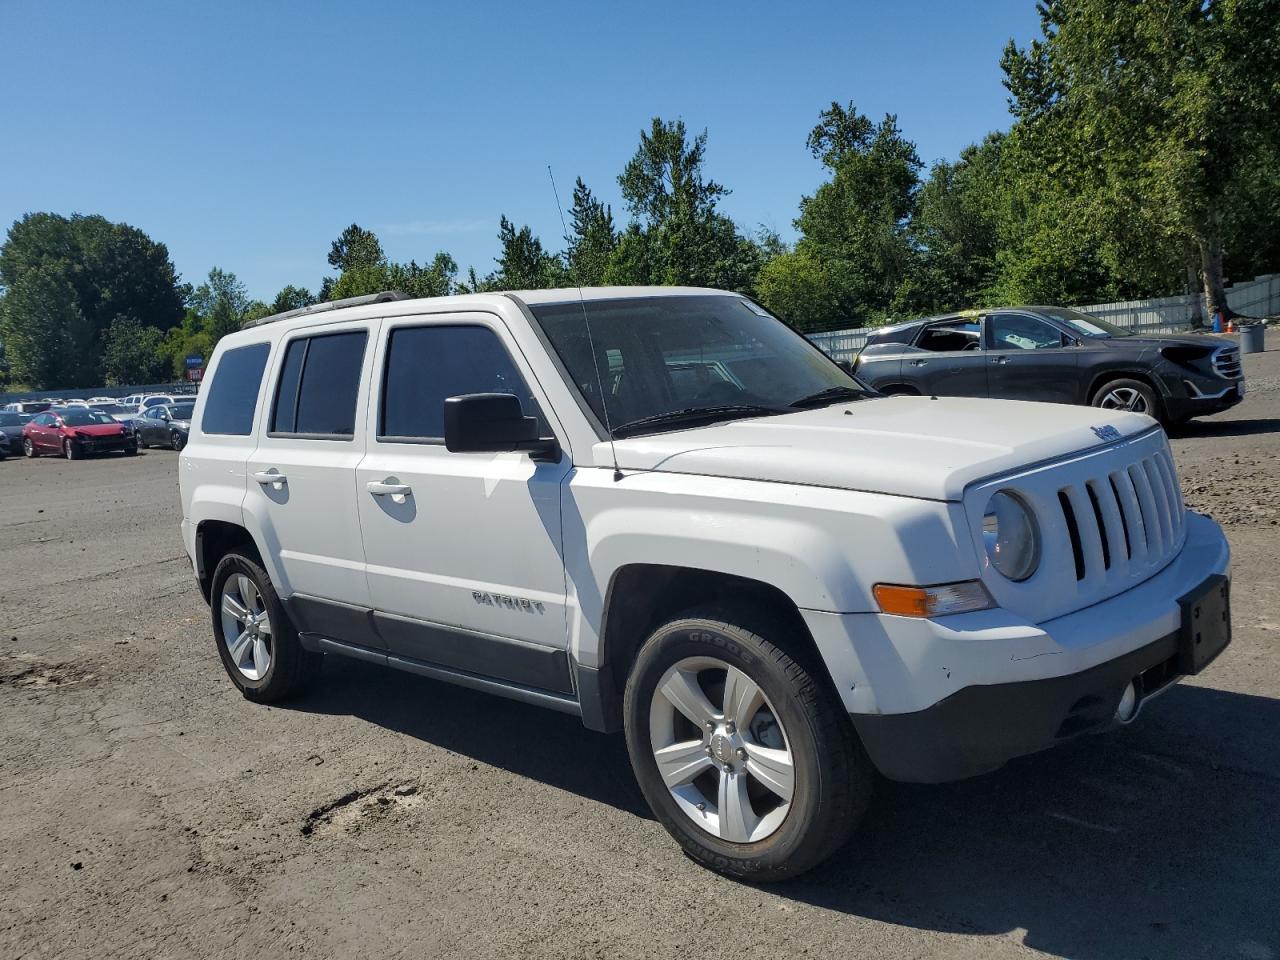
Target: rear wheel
{"type": "Point", "coordinates": [1132, 396]}
{"type": "Point", "coordinates": [258, 645]}
{"type": "Point", "coordinates": [743, 752]}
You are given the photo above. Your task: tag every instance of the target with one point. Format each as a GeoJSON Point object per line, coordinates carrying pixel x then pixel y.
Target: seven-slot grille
{"type": "Point", "coordinates": [1226, 362]}
{"type": "Point", "coordinates": [1128, 519]}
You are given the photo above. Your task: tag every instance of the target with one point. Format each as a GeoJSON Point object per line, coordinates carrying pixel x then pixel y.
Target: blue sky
{"type": "Point", "coordinates": [247, 135]}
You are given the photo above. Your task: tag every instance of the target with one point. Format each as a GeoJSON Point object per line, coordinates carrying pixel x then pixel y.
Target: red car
{"type": "Point", "coordinates": [76, 433]}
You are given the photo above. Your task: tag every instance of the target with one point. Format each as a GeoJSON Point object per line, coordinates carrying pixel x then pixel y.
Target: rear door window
{"type": "Point", "coordinates": [947, 337]}
{"type": "Point", "coordinates": [233, 392]}
{"type": "Point", "coordinates": [319, 385]}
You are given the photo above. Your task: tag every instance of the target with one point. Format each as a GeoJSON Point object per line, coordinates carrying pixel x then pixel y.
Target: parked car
{"type": "Point", "coordinates": [164, 425]}
{"type": "Point", "coordinates": [1058, 355]}
{"type": "Point", "coordinates": [93, 401]}
{"type": "Point", "coordinates": [76, 432]}
{"type": "Point", "coordinates": [773, 580]}
{"type": "Point", "coordinates": [11, 425]}
{"type": "Point", "coordinates": [153, 400]}
{"type": "Point", "coordinates": [30, 407]}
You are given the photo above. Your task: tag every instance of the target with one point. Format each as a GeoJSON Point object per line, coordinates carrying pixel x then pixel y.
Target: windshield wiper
{"type": "Point", "coordinates": [830, 395]}
{"type": "Point", "coordinates": [726, 411]}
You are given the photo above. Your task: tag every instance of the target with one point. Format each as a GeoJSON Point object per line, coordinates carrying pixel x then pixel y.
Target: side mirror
{"type": "Point", "coordinates": [493, 423]}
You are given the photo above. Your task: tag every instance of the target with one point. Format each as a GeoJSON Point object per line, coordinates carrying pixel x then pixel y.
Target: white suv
{"type": "Point", "coordinates": [663, 511]}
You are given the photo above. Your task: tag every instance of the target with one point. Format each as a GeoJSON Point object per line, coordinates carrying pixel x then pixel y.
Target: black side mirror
{"type": "Point", "coordinates": [493, 423]}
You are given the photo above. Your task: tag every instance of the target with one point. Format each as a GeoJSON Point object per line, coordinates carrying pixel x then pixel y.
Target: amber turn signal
{"type": "Point", "coordinates": [936, 601]}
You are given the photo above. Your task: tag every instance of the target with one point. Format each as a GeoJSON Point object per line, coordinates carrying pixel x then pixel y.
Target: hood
{"type": "Point", "coordinates": [95, 429]}
{"type": "Point", "coordinates": [1156, 342]}
{"type": "Point", "coordinates": [908, 446]}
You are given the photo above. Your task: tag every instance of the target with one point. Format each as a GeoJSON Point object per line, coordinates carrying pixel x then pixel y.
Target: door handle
{"type": "Point", "coordinates": [918, 363]}
{"type": "Point", "coordinates": [382, 489]}
{"type": "Point", "coordinates": [270, 476]}
{"type": "Point", "coordinates": [999, 359]}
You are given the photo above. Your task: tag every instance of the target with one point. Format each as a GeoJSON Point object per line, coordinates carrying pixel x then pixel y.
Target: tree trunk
{"type": "Point", "coordinates": [1215, 291]}
{"type": "Point", "coordinates": [1193, 292]}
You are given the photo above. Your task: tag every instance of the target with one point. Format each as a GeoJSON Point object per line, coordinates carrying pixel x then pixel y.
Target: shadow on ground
{"type": "Point", "coordinates": [1161, 839]}
{"type": "Point", "coordinates": [1226, 428]}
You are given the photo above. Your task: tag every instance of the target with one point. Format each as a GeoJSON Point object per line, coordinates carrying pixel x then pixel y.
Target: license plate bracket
{"type": "Point", "coordinates": [1206, 624]}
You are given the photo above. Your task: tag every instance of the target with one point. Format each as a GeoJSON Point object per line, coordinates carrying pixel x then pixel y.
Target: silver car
{"type": "Point", "coordinates": [164, 425]}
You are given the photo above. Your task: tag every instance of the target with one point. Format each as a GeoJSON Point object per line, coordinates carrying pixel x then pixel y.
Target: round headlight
{"type": "Point", "coordinates": [1010, 535]}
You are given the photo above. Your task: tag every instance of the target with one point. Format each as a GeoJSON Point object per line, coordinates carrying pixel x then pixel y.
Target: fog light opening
{"type": "Point", "coordinates": [1128, 706]}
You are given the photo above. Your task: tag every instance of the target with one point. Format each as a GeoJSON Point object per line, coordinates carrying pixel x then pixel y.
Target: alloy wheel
{"type": "Point", "coordinates": [1124, 398]}
{"type": "Point", "coordinates": [246, 627]}
{"type": "Point", "coordinates": [721, 750]}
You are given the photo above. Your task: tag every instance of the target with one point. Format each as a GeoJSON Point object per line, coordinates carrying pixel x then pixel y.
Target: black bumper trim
{"type": "Point", "coordinates": [979, 729]}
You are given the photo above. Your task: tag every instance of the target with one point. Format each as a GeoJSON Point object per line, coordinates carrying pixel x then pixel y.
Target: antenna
{"type": "Point", "coordinates": [591, 342]}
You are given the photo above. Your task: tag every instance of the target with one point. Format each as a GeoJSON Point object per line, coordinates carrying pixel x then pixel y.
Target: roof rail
{"type": "Point", "coordinates": [386, 296]}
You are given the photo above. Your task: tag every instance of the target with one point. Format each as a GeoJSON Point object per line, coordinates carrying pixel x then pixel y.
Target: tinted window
{"type": "Point", "coordinates": [962, 335]}
{"type": "Point", "coordinates": [233, 394]}
{"type": "Point", "coordinates": [427, 365]}
{"type": "Point", "coordinates": [1015, 331]}
{"type": "Point", "coordinates": [11, 420]}
{"type": "Point", "coordinates": [318, 385]}
{"type": "Point", "coordinates": [183, 412]}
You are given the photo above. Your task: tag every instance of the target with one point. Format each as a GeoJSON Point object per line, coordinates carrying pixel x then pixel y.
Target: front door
{"type": "Point", "coordinates": [1030, 359]}
{"type": "Point", "coordinates": [43, 433]}
{"type": "Point", "coordinates": [301, 476]}
{"type": "Point", "coordinates": [463, 550]}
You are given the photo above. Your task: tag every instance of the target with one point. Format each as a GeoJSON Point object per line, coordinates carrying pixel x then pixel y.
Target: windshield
{"type": "Point", "coordinates": [84, 418]}
{"type": "Point", "coordinates": [663, 355]}
{"type": "Point", "coordinates": [1084, 324]}
{"type": "Point", "coordinates": [155, 401]}
{"type": "Point", "coordinates": [182, 411]}
{"type": "Point", "coordinates": [107, 407]}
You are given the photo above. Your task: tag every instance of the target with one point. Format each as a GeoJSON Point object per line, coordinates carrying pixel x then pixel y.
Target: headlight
{"type": "Point", "coordinates": [1011, 536]}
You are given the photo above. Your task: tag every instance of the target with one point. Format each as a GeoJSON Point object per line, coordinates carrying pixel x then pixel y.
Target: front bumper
{"type": "Point", "coordinates": [943, 699]}
{"type": "Point", "coordinates": [1196, 396]}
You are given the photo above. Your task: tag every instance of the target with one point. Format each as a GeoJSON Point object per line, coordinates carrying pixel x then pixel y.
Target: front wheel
{"type": "Point", "coordinates": [257, 643]}
{"type": "Point", "coordinates": [741, 749]}
{"type": "Point", "coordinates": [177, 440]}
{"type": "Point", "coordinates": [28, 448]}
{"type": "Point", "coordinates": [71, 451]}
{"type": "Point", "coordinates": [1133, 396]}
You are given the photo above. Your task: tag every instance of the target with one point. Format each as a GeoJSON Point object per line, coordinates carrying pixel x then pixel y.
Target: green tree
{"type": "Point", "coordinates": [44, 330]}
{"type": "Point", "coordinates": [222, 302]}
{"type": "Point", "coordinates": [134, 353]}
{"type": "Point", "coordinates": [523, 264]}
{"type": "Point", "coordinates": [355, 249]}
{"type": "Point", "coordinates": [592, 238]}
{"type": "Point", "coordinates": [1159, 108]}
{"type": "Point", "coordinates": [291, 298]}
{"type": "Point", "coordinates": [112, 269]}
{"type": "Point", "coordinates": [677, 235]}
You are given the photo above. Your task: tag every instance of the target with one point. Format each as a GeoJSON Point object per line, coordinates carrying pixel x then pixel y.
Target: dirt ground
{"type": "Point", "coordinates": [147, 810]}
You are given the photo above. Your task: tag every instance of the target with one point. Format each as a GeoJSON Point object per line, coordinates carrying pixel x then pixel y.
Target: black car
{"type": "Point", "coordinates": [164, 425]}
{"type": "Point", "coordinates": [11, 425]}
{"type": "Point", "coordinates": [1054, 354]}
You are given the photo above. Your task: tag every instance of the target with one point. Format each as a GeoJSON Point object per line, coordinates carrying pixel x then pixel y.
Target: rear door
{"type": "Point", "coordinates": [463, 549]}
{"type": "Point", "coordinates": [44, 432]}
{"type": "Point", "coordinates": [949, 360]}
{"type": "Point", "coordinates": [1030, 359]}
{"type": "Point", "coordinates": [301, 475]}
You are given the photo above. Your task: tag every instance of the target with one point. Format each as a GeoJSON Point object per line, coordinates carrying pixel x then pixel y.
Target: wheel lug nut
{"type": "Point", "coordinates": [709, 750]}
{"type": "Point", "coordinates": [710, 724]}
{"type": "Point", "coordinates": [730, 727]}
{"type": "Point", "coordinates": [742, 753]}
{"type": "Point", "coordinates": [702, 807]}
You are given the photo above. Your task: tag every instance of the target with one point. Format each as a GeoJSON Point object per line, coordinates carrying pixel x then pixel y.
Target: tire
{"type": "Point", "coordinates": [142, 444]}
{"type": "Point", "coordinates": [1132, 395]}
{"type": "Point", "coordinates": [831, 775]}
{"type": "Point", "coordinates": [28, 448]}
{"type": "Point", "coordinates": [288, 668]}
{"type": "Point", "coordinates": [71, 451]}
{"type": "Point", "coordinates": [177, 441]}
{"type": "Point", "coordinates": [131, 450]}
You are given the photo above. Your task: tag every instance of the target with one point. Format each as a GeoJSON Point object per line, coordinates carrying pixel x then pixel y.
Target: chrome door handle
{"type": "Point", "coordinates": [918, 363]}
{"type": "Point", "coordinates": [270, 476]}
{"type": "Point", "coordinates": [999, 359]}
{"type": "Point", "coordinates": [381, 489]}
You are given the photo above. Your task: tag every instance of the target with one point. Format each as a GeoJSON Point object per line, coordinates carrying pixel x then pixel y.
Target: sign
{"type": "Point", "coordinates": [195, 374]}
{"type": "Point", "coordinates": [193, 362]}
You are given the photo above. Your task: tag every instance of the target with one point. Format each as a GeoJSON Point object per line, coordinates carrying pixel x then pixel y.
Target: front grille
{"type": "Point", "coordinates": [1226, 362]}
{"type": "Point", "coordinates": [1127, 519]}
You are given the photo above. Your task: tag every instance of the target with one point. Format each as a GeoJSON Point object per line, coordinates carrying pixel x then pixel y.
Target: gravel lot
{"type": "Point", "coordinates": [149, 811]}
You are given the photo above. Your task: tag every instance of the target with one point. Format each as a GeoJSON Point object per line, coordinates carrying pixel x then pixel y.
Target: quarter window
{"type": "Point", "coordinates": [427, 365]}
{"type": "Point", "coordinates": [319, 382]}
{"type": "Point", "coordinates": [233, 394]}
